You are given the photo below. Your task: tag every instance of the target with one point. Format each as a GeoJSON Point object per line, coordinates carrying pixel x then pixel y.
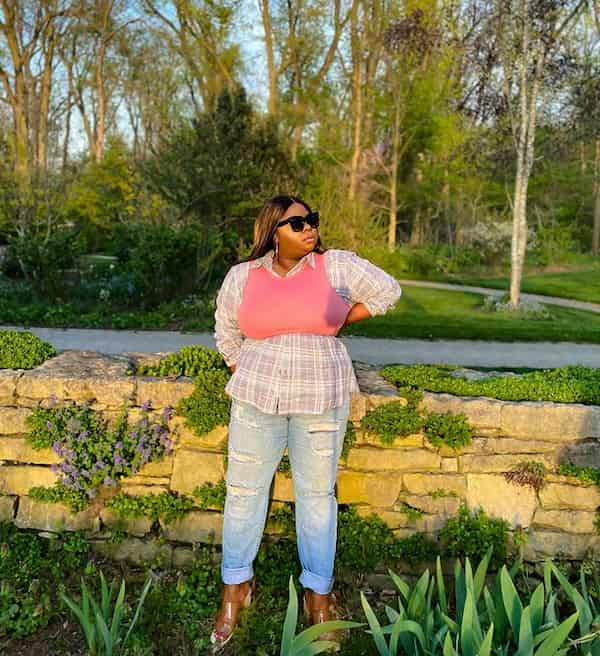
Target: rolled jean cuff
{"type": "Point", "coordinates": [315, 582]}
{"type": "Point", "coordinates": [236, 574]}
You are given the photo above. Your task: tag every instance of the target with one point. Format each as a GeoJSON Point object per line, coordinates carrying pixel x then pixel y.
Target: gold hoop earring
{"type": "Point", "coordinates": [276, 248]}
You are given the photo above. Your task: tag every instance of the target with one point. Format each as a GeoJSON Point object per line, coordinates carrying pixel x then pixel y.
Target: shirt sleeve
{"type": "Point", "coordinates": [227, 334]}
{"type": "Point", "coordinates": [370, 285]}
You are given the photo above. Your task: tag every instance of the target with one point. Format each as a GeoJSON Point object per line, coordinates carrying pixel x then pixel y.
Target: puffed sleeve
{"type": "Point", "coordinates": [370, 285]}
{"type": "Point", "coordinates": [227, 335]}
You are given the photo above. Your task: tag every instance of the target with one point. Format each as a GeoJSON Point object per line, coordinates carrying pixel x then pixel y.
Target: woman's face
{"type": "Point", "coordinates": [296, 243]}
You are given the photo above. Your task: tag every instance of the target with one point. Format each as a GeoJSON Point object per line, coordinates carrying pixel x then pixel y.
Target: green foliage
{"type": "Point", "coordinates": [411, 512]}
{"type": "Point", "coordinates": [23, 350]}
{"type": "Point", "coordinates": [471, 534]}
{"type": "Point", "coordinates": [362, 542]}
{"type": "Point", "coordinates": [161, 259]}
{"type": "Point", "coordinates": [167, 506]}
{"type": "Point", "coordinates": [223, 164]}
{"type": "Point", "coordinates": [284, 518]}
{"type": "Point", "coordinates": [414, 549]}
{"type": "Point", "coordinates": [103, 626]}
{"type": "Point", "coordinates": [31, 569]}
{"type": "Point", "coordinates": [570, 384]}
{"type": "Point", "coordinates": [104, 194]}
{"type": "Point", "coordinates": [95, 452]}
{"type": "Point", "coordinates": [76, 499]}
{"type": "Point", "coordinates": [208, 405]}
{"type": "Point", "coordinates": [392, 420]}
{"type": "Point", "coordinates": [306, 641]}
{"type": "Point", "coordinates": [349, 440]}
{"type": "Point", "coordinates": [582, 474]}
{"type": "Point", "coordinates": [453, 430]}
{"type": "Point", "coordinates": [528, 472]}
{"type": "Point", "coordinates": [186, 603]}
{"type": "Point", "coordinates": [211, 495]}
{"type": "Point", "coordinates": [188, 361]}
{"type": "Point", "coordinates": [285, 466]}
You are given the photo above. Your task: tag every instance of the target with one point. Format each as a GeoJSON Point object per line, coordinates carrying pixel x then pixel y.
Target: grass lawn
{"type": "Point", "coordinates": [580, 285]}
{"type": "Point", "coordinates": [438, 314]}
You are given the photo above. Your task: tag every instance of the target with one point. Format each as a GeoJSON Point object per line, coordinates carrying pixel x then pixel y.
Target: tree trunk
{"type": "Point", "coordinates": [357, 98]}
{"type": "Point", "coordinates": [596, 227]}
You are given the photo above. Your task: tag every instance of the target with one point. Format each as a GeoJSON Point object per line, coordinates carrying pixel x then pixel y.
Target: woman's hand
{"type": "Point", "coordinates": [358, 312]}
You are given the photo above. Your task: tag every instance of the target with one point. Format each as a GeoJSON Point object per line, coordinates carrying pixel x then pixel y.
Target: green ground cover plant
{"type": "Point", "coordinates": [23, 350]}
{"type": "Point", "coordinates": [570, 384]}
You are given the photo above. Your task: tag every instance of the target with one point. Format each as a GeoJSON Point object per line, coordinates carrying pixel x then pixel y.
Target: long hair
{"type": "Point", "coordinates": [265, 226]}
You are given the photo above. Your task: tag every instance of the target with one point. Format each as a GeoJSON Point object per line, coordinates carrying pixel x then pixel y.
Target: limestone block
{"type": "Point", "coordinates": [557, 422]}
{"type": "Point", "coordinates": [12, 421]}
{"type": "Point", "coordinates": [499, 463]}
{"type": "Point", "coordinates": [158, 468]}
{"type": "Point", "coordinates": [513, 445]}
{"type": "Point", "coordinates": [501, 499]}
{"type": "Point", "coordinates": [449, 464]}
{"type": "Point", "coordinates": [8, 385]}
{"type": "Point", "coordinates": [283, 488]}
{"type": "Point", "coordinates": [18, 479]}
{"type": "Point", "coordinates": [55, 516]}
{"type": "Point", "coordinates": [413, 441]}
{"type": "Point", "coordinates": [142, 490]}
{"type": "Point", "coordinates": [185, 437]}
{"type": "Point", "coordinates": [428, 483]}
{"type": "Point", "coordinates": [358, 407]}
{"type": "Point", "coordinates": [136, 551]}
{"type": "Point", "coordinates": [18, 449]}
{"type": "Point", "coordinates": [134, 525]}
{"type": "Point", "coordinates": [481, 412]}
{"type": "Point", "coordinates": [376, 459]}
{"type": "Point", "coordinates": [194, 467]}
{"type": "Point", "coordinates": [585, 452]}
{"type": "Point", "coordinates": [7, 507]}
{"type": "Point", "coordinates": [195, 526]}
{"type": "Point", "coordinates": [393, 518]}
{"type": "Point", "coordinates": [447, 506]}
{"type": "Point", "coordinates": [576, 497]}
{"type": "Point", "coordinates": [573, 521]}
{"type": "Point", "coordinates": [163, 392]}
{"type": "Point", "coordinates": [183, 558]}
{"type": "Point", "coordinates": [543, 544]}
{"type": "Point", "coordinates": [376, 400]}
{"type": "Point", "coordinates": [376, 489]}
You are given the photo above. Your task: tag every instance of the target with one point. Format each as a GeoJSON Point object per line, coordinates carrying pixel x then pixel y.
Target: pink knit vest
{"type": "Point", "coordinates": [303, 303]}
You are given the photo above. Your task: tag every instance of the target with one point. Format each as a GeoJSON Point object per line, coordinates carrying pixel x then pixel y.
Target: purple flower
{"type": "Point", "coordinates": [54, 467]}
{"type": "Point", "coordinates": [167, 413]}
{"type": "Point", "coordinates": [86, 473]}
{"type": "Point", "coordinates": [118, 459]}
{"type": "Point", "coordinates": [52, 401]}
{"type": "Point", "coordinates": [109, 481]}
{"type": "Point", "coordinates": [83, 435]}
{"type": "Point", "coordinates": [91, 493]}
{"type": "Point", "coordinates": [56, 447]}
{"type": "Point", "coordinates": [119, 445]}
{"type": "Point", "coordinates": [49, 424]}
{"type": "Point", "coordinates": [73, 424]}
{"type": "Point", "coordinates": [146, 405]}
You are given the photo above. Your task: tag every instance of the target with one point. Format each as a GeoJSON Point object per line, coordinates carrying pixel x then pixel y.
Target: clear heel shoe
{"type": "Point", "coordinates": [228, 616]}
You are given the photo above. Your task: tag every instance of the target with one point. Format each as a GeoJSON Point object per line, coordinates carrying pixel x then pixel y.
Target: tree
{"type": "Point", "coordinates": [528, 33]}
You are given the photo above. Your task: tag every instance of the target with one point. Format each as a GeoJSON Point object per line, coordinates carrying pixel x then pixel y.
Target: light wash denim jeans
{"type": "Point", "coordinates": [256, 444]}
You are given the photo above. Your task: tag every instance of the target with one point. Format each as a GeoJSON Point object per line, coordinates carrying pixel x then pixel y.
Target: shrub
{"type": "Point", "coordinates": [452, 430]}
{"type": "Point", "coordinates": [472, 534]}
{"type": "Point", "coordinates": [23, 350]}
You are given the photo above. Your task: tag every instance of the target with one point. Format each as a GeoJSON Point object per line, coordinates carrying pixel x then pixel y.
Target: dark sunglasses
{"type": "Point", "coordinates": [297, 222]}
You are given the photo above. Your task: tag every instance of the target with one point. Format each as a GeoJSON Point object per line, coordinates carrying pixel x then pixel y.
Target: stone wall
{"type": "Point", "coordinates": [381, 479]}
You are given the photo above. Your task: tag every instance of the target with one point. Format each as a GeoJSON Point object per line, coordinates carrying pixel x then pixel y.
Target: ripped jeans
{"type": "Point", "coordinates": [256, 444]}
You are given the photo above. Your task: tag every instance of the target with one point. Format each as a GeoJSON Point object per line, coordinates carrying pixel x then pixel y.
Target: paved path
{"type": "Point", "coordinates": [363, 349]}
{"type": "Point", "coordinates": [550, 300]}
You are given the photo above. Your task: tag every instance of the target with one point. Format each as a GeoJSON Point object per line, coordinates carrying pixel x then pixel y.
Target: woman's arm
{"type": "Point", "coordinates": [358, 312]}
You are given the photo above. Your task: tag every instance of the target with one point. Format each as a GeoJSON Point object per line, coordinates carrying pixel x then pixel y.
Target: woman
{"type": "Point", "coordinates": [277, 317]}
